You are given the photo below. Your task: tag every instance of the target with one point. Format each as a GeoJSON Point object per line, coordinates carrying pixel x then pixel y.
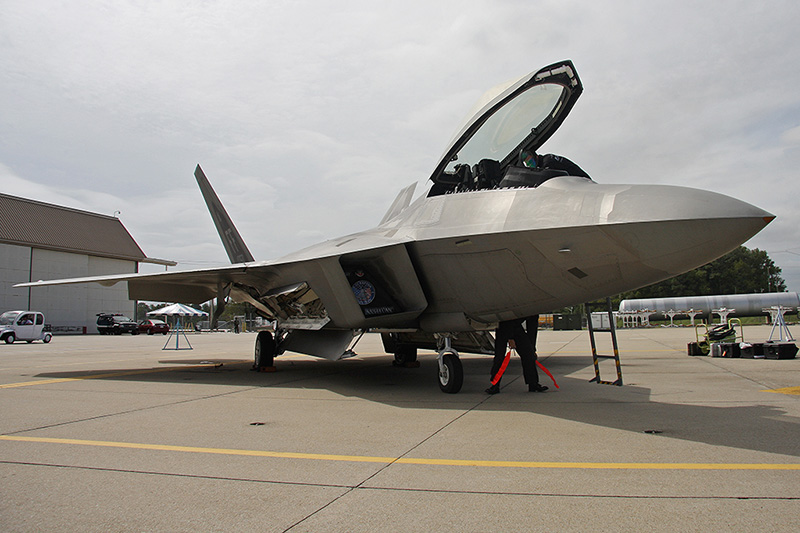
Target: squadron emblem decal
{"type": "Point", "coordinates": [364, 291]}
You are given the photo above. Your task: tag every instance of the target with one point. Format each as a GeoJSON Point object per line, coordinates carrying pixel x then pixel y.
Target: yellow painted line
{"type": "Point", "coordinates": [194, 449]}
{"type": "Point", "coordinates": [795, 391]}
{"type": "Point", "coordinates": [408, 460]}
{"type": "Point", "coordinates": [102, 376]}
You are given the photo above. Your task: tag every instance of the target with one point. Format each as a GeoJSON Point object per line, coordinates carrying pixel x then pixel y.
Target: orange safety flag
{"type": "Point", "coordinates": [540, 365]}
{"type": "Point", "coordinates": [502, 370]}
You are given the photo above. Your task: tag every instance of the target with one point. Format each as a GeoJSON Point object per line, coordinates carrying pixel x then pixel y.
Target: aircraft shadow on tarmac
{"type": "Point", "coordinates": [630, 408]}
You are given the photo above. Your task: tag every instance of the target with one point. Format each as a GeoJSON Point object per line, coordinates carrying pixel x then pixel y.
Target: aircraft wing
{"type": "Point", "coordinates": [337, 285]}
{"type": "Point", "coordinates": [364, 280]}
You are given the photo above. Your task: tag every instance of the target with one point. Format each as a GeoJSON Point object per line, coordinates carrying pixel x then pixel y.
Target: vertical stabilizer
{"type": "Point", "coordinates": [233, 242]}
{"type": "Point", "coordinates": [400, 203]}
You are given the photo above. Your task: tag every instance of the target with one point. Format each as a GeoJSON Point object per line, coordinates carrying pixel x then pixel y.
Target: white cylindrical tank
{"type": "Point", "coordinates": [744, 304]}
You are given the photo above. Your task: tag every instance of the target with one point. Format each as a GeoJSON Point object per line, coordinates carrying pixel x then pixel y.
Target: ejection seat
{"type": "Point", "coordinates": [487, 174]}
{"type": "Point", "coordinates": [528, 177]}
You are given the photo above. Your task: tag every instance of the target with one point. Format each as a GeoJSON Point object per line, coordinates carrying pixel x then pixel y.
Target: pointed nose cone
{"type": "Point", "coordinates": [676, 229]}
{"type": "Point", "coordinates": [662, 202]}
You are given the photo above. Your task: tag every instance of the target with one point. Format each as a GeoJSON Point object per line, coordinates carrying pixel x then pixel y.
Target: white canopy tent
{"type": "Point", "coordinates": [178, 310]}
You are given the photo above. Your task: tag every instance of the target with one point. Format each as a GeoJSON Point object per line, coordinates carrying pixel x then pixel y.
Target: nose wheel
{"type": "Point", "coordinates": [451, 372]}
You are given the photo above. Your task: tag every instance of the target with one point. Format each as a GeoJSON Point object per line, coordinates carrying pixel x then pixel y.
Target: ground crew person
{"type": "Point", "coordinates": [532, 328]}
{"type": "Point", "coordinates": [512, 333]}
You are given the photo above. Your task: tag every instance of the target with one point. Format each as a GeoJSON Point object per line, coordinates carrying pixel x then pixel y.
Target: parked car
{"type": "Point", "coordinates": [116, 324]}
{"type": "Point", "coordinates": [24, 326]}
{"type": "Point", "coordinates": [151, 326]}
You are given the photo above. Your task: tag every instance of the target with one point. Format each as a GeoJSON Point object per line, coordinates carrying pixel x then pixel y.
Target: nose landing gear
{"type": "Point", "coordinates": [451, 372]}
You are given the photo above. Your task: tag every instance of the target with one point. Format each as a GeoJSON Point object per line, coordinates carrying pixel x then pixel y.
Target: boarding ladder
{"type": "Point", "coordinates": [595, 356]}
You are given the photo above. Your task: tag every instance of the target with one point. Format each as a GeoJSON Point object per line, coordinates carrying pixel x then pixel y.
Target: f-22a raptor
{"type": "Point", "coordinates": [503, 233]}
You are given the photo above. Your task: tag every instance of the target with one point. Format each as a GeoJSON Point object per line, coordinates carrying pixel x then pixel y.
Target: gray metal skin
{"type": "Point", "coordinates": [743, 304]}
{"type": "Point", "coordinates": [463, 261]}
{"type": "Point", "coordinates": [487, 256]}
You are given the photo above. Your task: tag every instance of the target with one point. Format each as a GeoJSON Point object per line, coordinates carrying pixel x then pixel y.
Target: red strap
{"type": "Point", "coordinates": [502, 370]}
{"type": "Point", "coordinates": [540, 365]}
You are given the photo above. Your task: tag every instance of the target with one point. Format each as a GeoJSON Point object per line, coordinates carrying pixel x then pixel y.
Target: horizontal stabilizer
{"type": "Point", "coordinates": [231, 240]}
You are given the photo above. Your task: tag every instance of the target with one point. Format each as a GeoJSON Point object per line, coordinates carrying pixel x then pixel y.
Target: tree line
{"type": "Point", "coordinates": [742, 271]}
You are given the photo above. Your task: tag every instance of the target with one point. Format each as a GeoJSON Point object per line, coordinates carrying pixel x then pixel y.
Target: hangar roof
{"type": "Point", "coordinates": [41, 225]}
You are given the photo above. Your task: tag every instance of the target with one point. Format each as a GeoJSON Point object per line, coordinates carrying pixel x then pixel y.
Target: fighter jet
{"type": "Point", "coordinates": [503, 232]}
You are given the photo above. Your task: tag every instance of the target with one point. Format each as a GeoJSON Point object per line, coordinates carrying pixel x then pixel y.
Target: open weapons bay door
{"type": "Point", "coordinates": [385, 286]}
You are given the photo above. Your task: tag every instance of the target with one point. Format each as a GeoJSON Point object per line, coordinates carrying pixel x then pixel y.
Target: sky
{"type": "Point", "coordinates": [309, 117]}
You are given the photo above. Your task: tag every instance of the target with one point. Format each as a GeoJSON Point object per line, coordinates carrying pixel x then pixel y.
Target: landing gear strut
{"type": "Point", "coordinates": [451, 373]}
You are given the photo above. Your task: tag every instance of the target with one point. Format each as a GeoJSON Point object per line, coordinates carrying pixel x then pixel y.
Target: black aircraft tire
{"type": "Point", "coordinates": [404, 355]}
{"type": "Point", "coordinates": [451, 380]}
{"type": "Point", "coordinates": [265, 350]}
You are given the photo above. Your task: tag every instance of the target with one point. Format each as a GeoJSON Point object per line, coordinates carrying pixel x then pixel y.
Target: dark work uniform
{"type": "Point", "coordinates": [512, 329]}
{"type": "Point", "coordinates": [532, 327]}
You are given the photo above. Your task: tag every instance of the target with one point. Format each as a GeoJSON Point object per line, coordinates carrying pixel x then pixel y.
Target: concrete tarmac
{"type": "Point", "coordinates": [113, 433]}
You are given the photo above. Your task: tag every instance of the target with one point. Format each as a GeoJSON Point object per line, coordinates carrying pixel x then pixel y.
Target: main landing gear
{"type": "Point", "coordinates": [405, 356]}
{"type": "Point", "coordinates": [265, 351]}
{"type": "Point", "coordinates": [451, 373]}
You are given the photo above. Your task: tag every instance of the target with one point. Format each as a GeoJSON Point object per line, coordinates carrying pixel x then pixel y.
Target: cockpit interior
{"type": "Point", "coordinates": [531, 171]}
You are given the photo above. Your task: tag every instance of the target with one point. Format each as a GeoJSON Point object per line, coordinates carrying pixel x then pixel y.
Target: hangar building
{"type": "Point", "coordinates": [45, 241]}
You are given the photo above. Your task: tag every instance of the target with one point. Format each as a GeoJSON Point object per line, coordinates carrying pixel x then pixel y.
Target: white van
{"type": "Point", "coordinates": [23, 326]}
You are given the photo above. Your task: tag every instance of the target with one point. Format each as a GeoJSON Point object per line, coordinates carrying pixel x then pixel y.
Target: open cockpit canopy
{"type": "Point", "coordinates": [519, 119]}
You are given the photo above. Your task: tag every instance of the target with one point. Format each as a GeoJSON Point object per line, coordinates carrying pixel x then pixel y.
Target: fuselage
{"type": "Point", "coordinates": [490, 255]}
{"type": "Point", "coordinates": [467, 260]}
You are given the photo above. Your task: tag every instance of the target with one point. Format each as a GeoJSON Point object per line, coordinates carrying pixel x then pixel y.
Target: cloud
{"type": "Point", "coordinates": [308, 117]}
